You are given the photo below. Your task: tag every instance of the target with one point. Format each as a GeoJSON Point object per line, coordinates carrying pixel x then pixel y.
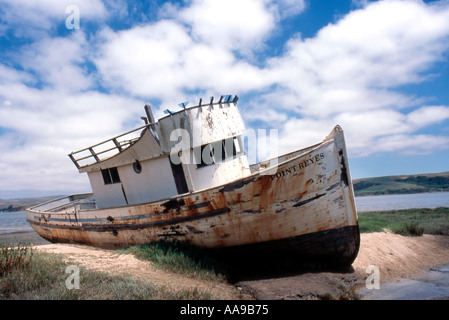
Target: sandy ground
{"type": "Point", "coordinates": [401, 257]}
{"type": "Point", "coordinates": [119, 263]}
{"type": "Point", "coordinates": [397, 257]}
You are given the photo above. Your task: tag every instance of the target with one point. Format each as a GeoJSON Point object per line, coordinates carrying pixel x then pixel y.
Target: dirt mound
{"type": "Point", "coordinates": [399, 256]}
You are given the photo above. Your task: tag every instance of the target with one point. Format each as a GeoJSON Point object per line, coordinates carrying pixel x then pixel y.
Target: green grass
{"type": "Point", "coordinates": [411, 222]}
{"type": "Point", "coordinates": [179, 257]}
{"type": "Point", "coordinates": [41, 276]}
{"type": "Point", "coordinates": [13, 258]}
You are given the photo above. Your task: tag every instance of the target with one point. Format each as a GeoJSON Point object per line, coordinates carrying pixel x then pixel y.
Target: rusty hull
{"type": "Point", "coordinates": [306, 204]}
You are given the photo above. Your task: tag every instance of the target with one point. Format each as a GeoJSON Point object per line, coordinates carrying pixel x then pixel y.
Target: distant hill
{"type": "Point", "coordinates": [419, 183]}
{"type": "Point", "coordinates": [21, 204]}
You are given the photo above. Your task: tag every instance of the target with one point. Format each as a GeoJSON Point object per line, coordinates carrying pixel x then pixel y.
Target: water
{"type": "Point", "coordinates": [433, 284]}
{"type": "Point", "coordinates": [402, 201]}
{"type": "Point", "coordinates": [11, 222]}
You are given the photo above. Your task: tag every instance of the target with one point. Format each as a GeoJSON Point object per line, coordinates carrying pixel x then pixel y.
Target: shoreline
{"type": "Point", "coordinates": [397, 194]}
{"type": "Point", "coordinates": [22, 237]}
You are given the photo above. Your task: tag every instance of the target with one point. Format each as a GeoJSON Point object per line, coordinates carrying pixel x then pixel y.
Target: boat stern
{"type": "Point", "coordinates": [45, 217]}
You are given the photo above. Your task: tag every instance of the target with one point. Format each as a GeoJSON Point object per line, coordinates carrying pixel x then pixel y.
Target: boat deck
{"type": "Point", "coordinates": [68, 204]}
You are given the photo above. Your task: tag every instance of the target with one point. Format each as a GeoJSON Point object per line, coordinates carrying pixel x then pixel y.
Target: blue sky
{"type": "Point", "coordinates": [377, 68]}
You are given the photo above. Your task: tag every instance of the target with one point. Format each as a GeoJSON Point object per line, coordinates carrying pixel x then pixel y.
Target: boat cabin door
{"type": "Point", "coordinates": [180, 178]}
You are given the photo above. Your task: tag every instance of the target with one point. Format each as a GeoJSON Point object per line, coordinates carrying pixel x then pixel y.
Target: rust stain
{"type": "Point", "coordinates": [344, 171]}
{"type": "Point", "coordinates": [173, 205]}
{"type": "Point", "coordinates": [301, 203]}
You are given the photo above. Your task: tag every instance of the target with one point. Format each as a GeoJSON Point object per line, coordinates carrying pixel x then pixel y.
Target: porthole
{"type": "Point", "coordinates": [137, 167]}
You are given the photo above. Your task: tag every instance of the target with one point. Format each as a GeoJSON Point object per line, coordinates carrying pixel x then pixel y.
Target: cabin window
{"type": "Point", "coordinates": [217, 152]}
{"type": "Point", "coordinates": [204, 155]}
{"type": "Point", "coordinates": [110, 176]}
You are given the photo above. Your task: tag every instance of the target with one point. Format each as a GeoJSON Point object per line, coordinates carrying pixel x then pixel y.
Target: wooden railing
{"type": "Point", "coordinates": [108, 148]}
{"type": "Point", "coordinates": [105, 149]}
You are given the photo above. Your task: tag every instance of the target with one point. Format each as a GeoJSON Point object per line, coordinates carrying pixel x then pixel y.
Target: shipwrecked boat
{"type": "Point", "coordinates": [186, 177]}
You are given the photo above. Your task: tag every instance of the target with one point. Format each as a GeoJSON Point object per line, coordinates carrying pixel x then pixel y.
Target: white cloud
{"type": "Point", "coordinates": [411, 144]}
{"type": "Point", "coordinates": [301, 133]}
{"type": "Point", "coordinates": [58, 62]}
{"type": "Point", "coordinates": [360, 3]}
{"type": "Point", "coordinates": [53, 8]}
{"type": "Point", "coordinates": [351, 73]}
{"type": "Point", "coordinates": [428, 115]}
{"type": "Point", "coordinates": [348, 73]}
{"type": "Point", "coordinates": [11, 75]}
{"type": "Point", "coordinates": [31, 18]}
{"type": "Point", "coordinates": [43, 126]}
{"type": "Point", "coordinates": [355, 62]}
{"type": "Point", "coordinates": [40, 125]}
{"type": "Point", "coordinates": [289, 8]}
{"type": "Point", "coordinates": [230, 24]}
{"type": "Point", "coordinates": [193, 48]}
{"type": "Point", "coordinates": [161, 60]}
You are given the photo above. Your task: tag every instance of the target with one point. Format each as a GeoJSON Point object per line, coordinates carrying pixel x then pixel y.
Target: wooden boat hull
{"type": "Point", "coordinates": [303, 206]}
